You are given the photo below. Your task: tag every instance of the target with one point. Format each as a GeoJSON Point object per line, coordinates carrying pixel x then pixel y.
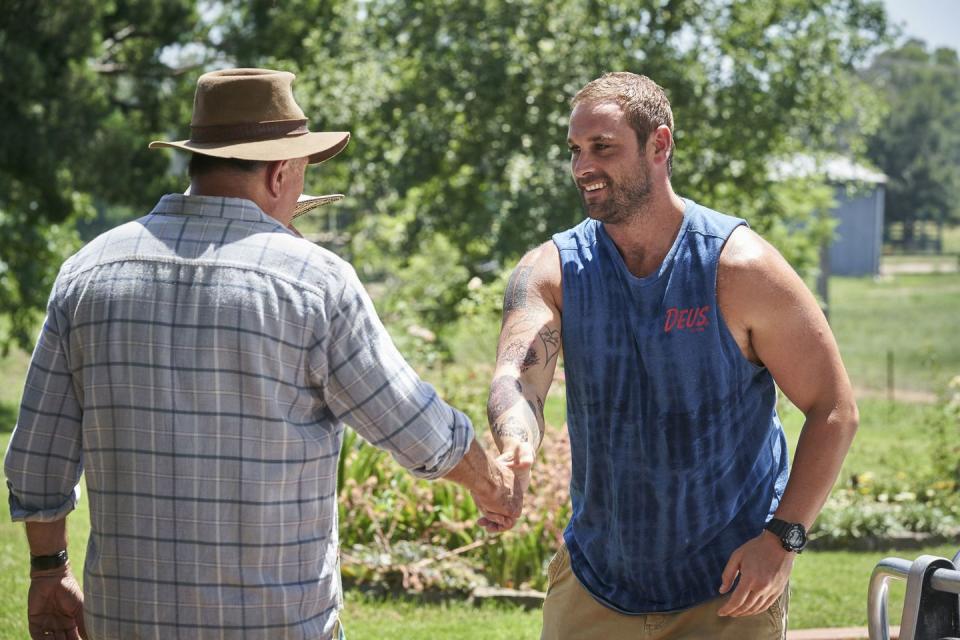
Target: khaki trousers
{"type": "Point", "coordinates": [571, 613]}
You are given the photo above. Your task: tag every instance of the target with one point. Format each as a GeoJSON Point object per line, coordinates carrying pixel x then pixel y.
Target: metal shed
{"type": "Point", "coordinates": [858, 208]}
{"type": "Point", "coordinates": [858, 237]}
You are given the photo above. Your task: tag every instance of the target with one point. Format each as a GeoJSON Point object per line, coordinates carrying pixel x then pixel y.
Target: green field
{"type": "Point", "coordinates": [951, 240]}
{"type": "Point", "coordinates": [914, 317]}
{"type": "Point", "coordinates": [828, 589]}
{"type": "Point", "coordinates": [13, 368]}
{"type": "Point", "coordinates": [893, 438]}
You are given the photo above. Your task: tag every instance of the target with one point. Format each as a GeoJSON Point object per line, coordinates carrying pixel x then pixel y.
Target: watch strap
{"type": "Point", "coordinates": [45, 563]}
{"type": "Point", "coordinates": [778, 527]}
{"type": "Point", "coordinates": [782, 529]}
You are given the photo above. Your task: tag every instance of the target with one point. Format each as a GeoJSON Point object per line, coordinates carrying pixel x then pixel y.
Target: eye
{"type": "Point", "coordinates": [574, 149]}
{"type": "Point", "coordinates": [601, 146]}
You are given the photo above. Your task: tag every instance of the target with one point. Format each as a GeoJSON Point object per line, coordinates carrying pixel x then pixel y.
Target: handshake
{"type": "Point", "coordinates": [496, 484]}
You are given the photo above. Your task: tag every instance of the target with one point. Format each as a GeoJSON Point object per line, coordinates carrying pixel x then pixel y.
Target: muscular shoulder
{"type": "Point", "coordinates": [752, 278]}
{"type": "Point", "coordinates": [538, 272]}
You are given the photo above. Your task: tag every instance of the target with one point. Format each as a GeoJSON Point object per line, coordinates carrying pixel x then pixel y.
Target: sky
{"type": "Point", "coordinates": [935, 21]}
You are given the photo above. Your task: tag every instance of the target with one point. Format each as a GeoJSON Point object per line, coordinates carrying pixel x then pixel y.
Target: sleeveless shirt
{"type": "Point", "coordinates": [678, 453]}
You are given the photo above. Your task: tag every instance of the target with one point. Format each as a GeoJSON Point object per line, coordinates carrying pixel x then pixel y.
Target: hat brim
{"type": "Point", "coordinates": [317, 146]}
{"type": "Point", "coordinates": [306, 203]}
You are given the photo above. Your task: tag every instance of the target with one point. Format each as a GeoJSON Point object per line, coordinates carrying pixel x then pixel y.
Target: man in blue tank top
{"type": "Point", "coordinates": [677, 323]}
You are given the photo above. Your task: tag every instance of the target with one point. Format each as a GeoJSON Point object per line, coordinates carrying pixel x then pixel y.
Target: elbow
{"type": "Point", "coordinates": [847, 418]}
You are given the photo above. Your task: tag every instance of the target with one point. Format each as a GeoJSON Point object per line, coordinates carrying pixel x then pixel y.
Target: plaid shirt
{"type": "Point", "coordinates": [198, 365]}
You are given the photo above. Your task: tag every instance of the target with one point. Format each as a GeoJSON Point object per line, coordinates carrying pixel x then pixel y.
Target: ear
{"type": "Point", "coordinates": [662, 142]}
{"type": "Point", "coordinates": [275, 175]}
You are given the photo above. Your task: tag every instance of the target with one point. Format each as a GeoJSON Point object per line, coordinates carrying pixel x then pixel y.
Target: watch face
{"type": "Point", "coordinates": [795, 537]}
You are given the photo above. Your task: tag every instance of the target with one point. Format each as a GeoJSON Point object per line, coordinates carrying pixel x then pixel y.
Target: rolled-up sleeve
{"type": "Point", "coordinates": [43, 461]}
{"type": "Point", "coordinates": [368, 385]}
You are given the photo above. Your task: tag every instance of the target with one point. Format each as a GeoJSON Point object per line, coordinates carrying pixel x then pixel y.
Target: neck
{"type": "Point", "coordinates": [229, 185]}
{"type": "Point", "coordinates": [645, 239]}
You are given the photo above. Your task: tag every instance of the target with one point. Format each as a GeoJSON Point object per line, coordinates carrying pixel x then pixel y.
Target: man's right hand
{"type": "Point", "coordinates": [55, 605]}
{"type": "Point", "coordinates": [493, 485]}
{"type": "Point", "coordinates": [502, 508]}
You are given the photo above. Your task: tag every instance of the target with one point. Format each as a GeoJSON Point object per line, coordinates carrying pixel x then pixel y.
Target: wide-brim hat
{"type": "Point", "coordinates": [305, 203]}
{"type": "Point", "coordinates": [251, 114]}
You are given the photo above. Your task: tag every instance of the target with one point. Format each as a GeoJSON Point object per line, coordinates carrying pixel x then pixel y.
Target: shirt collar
{"type": "Point", "coordinates": [216, 207]}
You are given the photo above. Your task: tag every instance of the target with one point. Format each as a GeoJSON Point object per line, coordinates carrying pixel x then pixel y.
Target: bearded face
{"type": "Point", "coordinates": [607, 163]}
{"type": "Point", "coordinates": [624, 196]}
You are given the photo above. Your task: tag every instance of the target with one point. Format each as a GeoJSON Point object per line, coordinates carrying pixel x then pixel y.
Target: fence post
{"type": "Point", "coordinates": [890, 386]}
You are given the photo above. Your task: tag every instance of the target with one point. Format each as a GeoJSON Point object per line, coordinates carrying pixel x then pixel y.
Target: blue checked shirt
{"type": "Point", "coordinates": [198, 365]}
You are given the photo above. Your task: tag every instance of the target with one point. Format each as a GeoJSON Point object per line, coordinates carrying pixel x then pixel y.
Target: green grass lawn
{"type": "Point", "coordinates": [828, 589]}
{"type": "Point", "coordinates": [13, 368]}
{"type": "Point", "coordinates": [912, 316]}
{"type": "Point", "coordinates": [893, 439]}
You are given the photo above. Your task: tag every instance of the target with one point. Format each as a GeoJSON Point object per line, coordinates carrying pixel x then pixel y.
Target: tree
{"type": "Point", "coordinates": [459, 107]}
{"type": "Point", "coordinates": [85, 87]}
{"type": "Point", "coordinates": [918, 142]}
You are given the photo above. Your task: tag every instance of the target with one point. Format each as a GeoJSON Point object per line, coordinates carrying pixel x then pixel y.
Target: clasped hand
{"type": "Point", "coordinates": [503, 507]}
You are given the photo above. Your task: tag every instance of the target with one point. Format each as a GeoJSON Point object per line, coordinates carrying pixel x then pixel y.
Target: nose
{"type": "Point", "coordinates": [581, 165]}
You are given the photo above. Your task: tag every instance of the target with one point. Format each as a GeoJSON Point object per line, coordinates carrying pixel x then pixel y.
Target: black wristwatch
{"type": "Point", "coordinates": [792, 535]}
{"type": "Point", "coordinates": [44, 563]}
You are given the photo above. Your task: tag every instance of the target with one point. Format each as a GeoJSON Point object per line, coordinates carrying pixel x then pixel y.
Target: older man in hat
{"type": "Point", "coordinates": [199, 364]}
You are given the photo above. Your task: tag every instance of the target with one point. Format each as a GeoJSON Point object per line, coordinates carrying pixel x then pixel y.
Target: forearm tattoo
{"type": "Point", "coordinates": [511, 427]}
{"type": "Point", "coordinates": [505, 393]}
{"type": "Point", "coordinates": [515, 297]}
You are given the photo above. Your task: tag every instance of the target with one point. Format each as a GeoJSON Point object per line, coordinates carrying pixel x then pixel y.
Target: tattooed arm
{"type": "Point", "coordinates": [526, 356]}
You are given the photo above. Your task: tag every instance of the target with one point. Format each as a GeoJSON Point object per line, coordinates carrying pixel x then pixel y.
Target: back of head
{"type": "Point", "coordinates": [202, 165]}
{"type": "Point", "coordinates": [643, 101]}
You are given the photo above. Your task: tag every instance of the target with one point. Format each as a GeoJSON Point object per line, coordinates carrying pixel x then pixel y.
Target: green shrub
{"type": "Point", "coordinates": [381, 504]}
{"type": "Point", "coordinates": [945, 424]}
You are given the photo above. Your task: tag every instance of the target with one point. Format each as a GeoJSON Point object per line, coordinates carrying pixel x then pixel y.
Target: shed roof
{"type": "Point", "coordinates": [834, 168]}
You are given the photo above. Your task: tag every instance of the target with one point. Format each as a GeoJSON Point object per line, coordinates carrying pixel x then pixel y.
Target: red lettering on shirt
{"type": "Point", "coordinates": [690, 319]}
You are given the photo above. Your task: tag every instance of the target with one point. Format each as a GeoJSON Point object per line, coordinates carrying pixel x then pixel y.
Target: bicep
{"type": "Point", "coordinates": [790, 335]}
{"type": "Point", "coordinates": [530, 335]}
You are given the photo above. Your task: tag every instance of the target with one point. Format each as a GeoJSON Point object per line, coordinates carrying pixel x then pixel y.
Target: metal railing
{"type": "Point", "coordinates": [931, 608]}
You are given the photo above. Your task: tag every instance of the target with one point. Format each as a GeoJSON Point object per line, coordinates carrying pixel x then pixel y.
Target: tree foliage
{"type": "Point", "coordinates": [918, 142]}
{"type": "Point", "coordinates": [84, 90]}
{"type": "Point", "coordinates": [459, 108]}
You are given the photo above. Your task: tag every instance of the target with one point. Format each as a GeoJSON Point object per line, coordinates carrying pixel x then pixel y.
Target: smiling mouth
{"type": "Point", "coordinates": [592, 187]}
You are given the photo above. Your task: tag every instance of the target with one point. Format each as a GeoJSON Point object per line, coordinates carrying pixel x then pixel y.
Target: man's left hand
{"type": "Point", "coordinates": [516, 460]}
{"type": "Point", "coordinates": [764, 568]}
{"type": "Point", "coordinates": [55, 605]}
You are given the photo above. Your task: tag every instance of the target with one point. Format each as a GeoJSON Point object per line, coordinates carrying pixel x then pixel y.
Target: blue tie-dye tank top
{"type": "Point", "coordinates": [678, 453]}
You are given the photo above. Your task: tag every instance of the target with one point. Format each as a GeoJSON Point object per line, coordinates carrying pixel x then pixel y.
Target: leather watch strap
{"type": "Point", "coordinates": [45, 563]}
{"type": "Point", "coordinates": [778, 527]}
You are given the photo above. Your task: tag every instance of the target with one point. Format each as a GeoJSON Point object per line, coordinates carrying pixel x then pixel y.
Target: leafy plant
{"type": "Point", "coordinates": [381, 504]}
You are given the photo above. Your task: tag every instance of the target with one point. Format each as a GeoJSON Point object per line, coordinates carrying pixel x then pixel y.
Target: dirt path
{"type": "Point", "coordinates": [899, 395]}
{"type": "Point", "coordinates": [946, 265]}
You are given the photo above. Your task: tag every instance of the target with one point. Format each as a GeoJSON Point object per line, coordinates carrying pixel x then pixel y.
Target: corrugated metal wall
{"type": "Point", "coordinates": [858, 240]}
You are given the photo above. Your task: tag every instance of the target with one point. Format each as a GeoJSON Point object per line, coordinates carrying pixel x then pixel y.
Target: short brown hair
{"type": "Point", "coordinates": [643, 100]}
{"type": "Point", "coordinates": [201, 164]}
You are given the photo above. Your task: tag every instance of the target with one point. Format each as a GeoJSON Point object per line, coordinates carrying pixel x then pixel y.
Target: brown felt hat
{"type": "Point", "coordinates": [251, 114]}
